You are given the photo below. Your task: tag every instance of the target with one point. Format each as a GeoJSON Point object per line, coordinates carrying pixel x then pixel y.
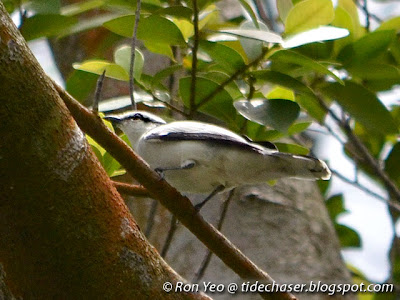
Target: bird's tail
{"type": "Point", "coordinates": [300, 166]}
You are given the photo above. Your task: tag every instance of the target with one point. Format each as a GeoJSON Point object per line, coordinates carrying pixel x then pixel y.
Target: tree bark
{"type": "Point", "coordinates": [65, 232]}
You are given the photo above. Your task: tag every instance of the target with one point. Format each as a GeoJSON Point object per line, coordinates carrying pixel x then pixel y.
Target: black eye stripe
{"type": "Point", "coordinates": [142, 117]}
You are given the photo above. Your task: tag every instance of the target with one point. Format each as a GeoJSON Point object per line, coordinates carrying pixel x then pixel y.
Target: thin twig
{"type": "Point", "coordinates": [265, 13]}
{"type": "Point", "coordinates": [133, 52]}
{"type": "Point", "coordinates": [232, 78]}
{"type": "Point", "coordinates": [333, 133]}
{"type": "Point", "coordinates": [169, 105]}
{"type": "Point", "coordinates": [367, 12]}
{"type": "Point", "coordinates": [363, 151]}
{"type": "Point", "coordinates": [171, 232]}
{"type": "Point", "coordinates": [207, 258]}
{"type": "Point", "coordinates": [22, 13]}
{"type": "Point", "coordinates": [367, 15]}
{"type": "Point", "coordinates": [365, 189]}
{"type": "Point", "coordinates": [172, 78]}
{"type": "Point", "coordinates": [97, 94]}
{"type": "Point", "coordinates": [252, 89]}
{"type": "Point", "coordinates": [192, 103]}
{"type": "Point", "coordinates": [130, 189]}
{"type": "Point", "coordinates": [151, 218]}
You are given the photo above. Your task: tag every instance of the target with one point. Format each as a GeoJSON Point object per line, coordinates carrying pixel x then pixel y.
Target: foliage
{"type": "Point", "coordinates": [278, 82]}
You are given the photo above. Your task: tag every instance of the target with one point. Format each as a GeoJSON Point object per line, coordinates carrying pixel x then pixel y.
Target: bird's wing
{"type": "Point", "coordinates": [198, 131]}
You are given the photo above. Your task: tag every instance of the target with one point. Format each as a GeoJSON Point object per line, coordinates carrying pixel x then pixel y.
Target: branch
{"type": "Point", "coordinates": [97, 94]}
{"type": "Point", "coordinates": [368, 15]}
{"type": "Point", "coordinates": [224, 209]}
{"type": "Point", "coordinates": [178, 205]}
{"type": "Point", "coordinates": [133, 52]}
{"type": "Point", "coordinates": [235, 75]}
{"type": "Point", "coordinates": [194, 58]}
{"type": "Point", "coordinates": [151, 218]}
{"type": "Point", "coordinates": [170, 235]}
{"type": "Point", "coordinates": [130, 189]}
{"type": "Point", "coordinates": [169, 105]}
{"type": "Point", "coordinates": [363, 151]}
{"type": "Point", "coordinates": [365, 189]}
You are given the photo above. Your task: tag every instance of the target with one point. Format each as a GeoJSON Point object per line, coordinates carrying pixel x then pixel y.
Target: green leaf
{"type": "Point", "coordinates": [322, 33]}
{"type": "Point", "coordinates": [10, 5]}
{"type": "Point", "coordinates": [369, 47]}
{"type": "Point", "coordinates": [44, 7]}
{"type": "Point", "coordinates": [228, 58]}
{"type": "Point", "coordinates": [255, 34]}
{"type": "Point", "coordinates": [292, 57]}
{"type": "Point", "coordinates": [98, 66]}
{"type": "Point", "coordinates": [177, 11]}
{"type": "Point", "coordinates": [220, 77]}
{"type": "Point", "coordinates": [97, 152]}
{"type": "Point", "coordinates": [348, 237]}
{"type": "Point", "coordinates": [306, 97]}
{"type": "Point", "coordinates": [45, 26]}
{"type": "Point", "coordinates": [375, 71]}
{"type": "Point", "coordinates": [252, 48]}
{"type": "Point", "coordinates": [363, 106]}
{"type": "Point", "coordinates": [164, 73]}
{"type": "Point", "coordinates": [86, 24]}
{"type": "Point", "coordinates": [208, 15]}
{"type": "Point", "coordinates": [309, 14]}
{"type": "Point", "coordinates": [311, 105]}
{"type": "Point", "coordinates": [276, 113]}
{"type": "Point", "coordinates": [280, 93]}
{"type": "Point", "coordinates": [151, 29]}
{"type": "Point", "coordinates": [246, 6]}
{"type": "Point", "coordinates": [292, 148]}
{"type": "Point", "coordinates": [298, 127]}
{"type": "Point", "coordinates": [80, 7]}
{"type": "Point", "coordinates": [392, 163]}
{"type": "Point", "coordinates": [80, 84]}
{"type": "Point", "coordinates": [220, 106]}
{"type": "Point", "coordinates": [374, 143]}
{"type": "Point", "coordinates": [186, 27]}
{"type": "Point", "coordinates": [390, 24]}
{"type": "Point", "coordinates": [150, 6]}
{"type": "Point", "coordinates": [323, 186]}
{"type": "Point", "coordinates": [160, 48]}
{"type": "Point", "coordinates": [122, 102]}
{"type": "Point", "coordinates": [110, 164]}
{"type": "Point", "coordinates": [351, 9]}
{"type": "Point", "coordinates": [335, 206]}
{"type": "Point", "coordinates": [282, 80]}
{"type": "Point", "coordinates": [343, 20]}
{"type": "Point", "coordinates": [122, 57]}
{"type": "Point", "coordinates": [284, 6]}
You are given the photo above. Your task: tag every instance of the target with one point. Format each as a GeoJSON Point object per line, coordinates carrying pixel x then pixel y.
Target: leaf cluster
{"type": "Point", "coordinates": [264, 84]}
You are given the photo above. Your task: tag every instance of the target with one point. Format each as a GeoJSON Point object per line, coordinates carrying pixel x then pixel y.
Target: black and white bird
{"type": "Point", "coordinates": [201, 158]}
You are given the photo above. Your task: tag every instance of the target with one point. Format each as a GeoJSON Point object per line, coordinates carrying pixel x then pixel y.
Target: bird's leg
{"type": "Point", "coordinates": [187, 164]}
{"type": "Point", "coordinates": [218, 189]}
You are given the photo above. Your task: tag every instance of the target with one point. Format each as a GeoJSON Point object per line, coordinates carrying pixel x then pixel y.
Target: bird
{"type": "Point", "coordinates": [202, 158]}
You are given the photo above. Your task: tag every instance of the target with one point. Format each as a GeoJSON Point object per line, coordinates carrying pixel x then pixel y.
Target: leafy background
{"type": "Point", "coordinates": [271, 73]}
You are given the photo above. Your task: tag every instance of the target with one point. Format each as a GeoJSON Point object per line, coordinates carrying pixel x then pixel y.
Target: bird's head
{"type": "Point", "coordinates": [135, 123]}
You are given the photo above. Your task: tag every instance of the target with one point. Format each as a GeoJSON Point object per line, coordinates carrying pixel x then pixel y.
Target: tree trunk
{"type": "Point", "coordinates": [65, 232]}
